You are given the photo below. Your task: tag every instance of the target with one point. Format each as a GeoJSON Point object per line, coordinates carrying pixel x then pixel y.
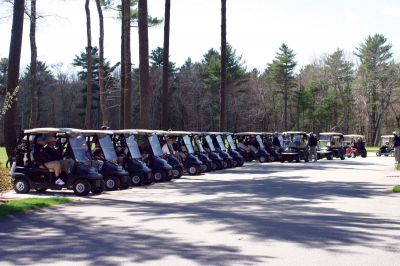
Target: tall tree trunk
{"type": "Point", "coordinates": [33, 120]}
{"type": "Point", "coordinates": [285, 100]}
{"type": "Point", "coordinates": [121, 108]}
{"type": "Point", "coordinates": [103, 93]}
{"type": "Point", "coordinates": [222, 120]}
{"type": "Point", "coordinates": [164, 112]}
{"type": "Point", "coordinates": [145, 101]}
{"type": "Point", "coordinates": [88, 112]}
{"type": "Point", "coordinates": [14, 57]}
{"type": "Point", "coordinates": [127, 67]}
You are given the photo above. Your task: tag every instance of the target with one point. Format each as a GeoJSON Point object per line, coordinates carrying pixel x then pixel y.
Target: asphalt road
{"type": "Point", "coordinates": [324, 213]}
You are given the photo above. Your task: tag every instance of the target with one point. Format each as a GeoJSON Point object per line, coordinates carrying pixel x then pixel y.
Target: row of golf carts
{"type": "Point", "coordinates": [118, 159]}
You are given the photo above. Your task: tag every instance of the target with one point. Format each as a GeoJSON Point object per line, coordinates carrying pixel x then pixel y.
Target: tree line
{"type": "Point", "coordinates": [334, 93]}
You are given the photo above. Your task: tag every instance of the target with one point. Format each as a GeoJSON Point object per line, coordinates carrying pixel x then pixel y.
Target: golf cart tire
{"type": "Point", "coordinates": [330, 157]}
{"type": "Point", "coordinates": [98, 190]}
{"type": "Point", "coordinates": [112, 183]}
{"type": "Point", "coordinates": [81, 187]}
{"type": "Point", "coordinates": [306, 160]}
{"type": "Point", "coordinates": [180, 172]}
{"type": "Point", "coordinates": [193, 170]}
{"type": "Point", "coordinates": [137, 179]}
{"type": "Point", "coordinates": [342, 157]}
{"type": "Point", "coordinates": [262, 159]}
{"type": "Point", "coordinates": [219, 166]}
{"type": "Point", "coordinates": [224, 165]}
{"type": "Point", "coordinates": [353, 155]}
{"type": "Point", "coordinates": [21, 186]}
{"type": "Point", "coordinates": [378, 153]}
{"type": "Point", "coordinates": [298, 159]}
{"type": "Point", "coordinates": [159, 176]}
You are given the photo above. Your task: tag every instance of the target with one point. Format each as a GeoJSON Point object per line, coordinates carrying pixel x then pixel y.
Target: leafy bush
{"type": "Point", "coordinates": [396, 189]}
{"type": "Point", "coordinates": [5, 179]}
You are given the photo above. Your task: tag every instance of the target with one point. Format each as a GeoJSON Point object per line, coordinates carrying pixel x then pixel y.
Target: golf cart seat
{"type": "Point", "coordinates": [41, 166]}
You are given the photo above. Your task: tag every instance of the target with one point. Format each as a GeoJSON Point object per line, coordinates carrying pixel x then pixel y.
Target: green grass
{"type": "Point", "coordinates": [372, 149]}
{"type": "Point", "coordinates": [22, 205]}
{"type": "Point", "coordinates": [3, 156]}
{"type": "Point", "coordinates": [397, 167]}
{"type": "Point", "coordinates": [396, 189]}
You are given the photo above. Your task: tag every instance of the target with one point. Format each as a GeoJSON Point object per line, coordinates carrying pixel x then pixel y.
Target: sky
{"type": "Point", "coordinates": [255, 28]}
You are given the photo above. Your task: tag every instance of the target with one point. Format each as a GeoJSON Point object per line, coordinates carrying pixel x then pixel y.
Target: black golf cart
{"type": "Point", "coordinates": [233, 150]}
{"type": "Point", "coordinates": [330, 145]}
{"type": "Point", "coordinates": [386, 149]}
{"type": "Point", "coordinates": [27, 173]}
{"type": "Point", "coordinates": [128, 149]}
{"type": "Point", "coordinates": [251, 147]}
{"type": "Point", "coordinates": [273, 151]}
{"type": "Point", "coordinates": [103, 151]}
{"type": "Point", "coordinates": [210, 142]}
{"type": "Point", "coordinates": [149, 146]}
{"type": "Point", "coordinates": [211, 159]}
{"type": "Point", "coordinates": [183, 149]}
{"type": "Point", "coordinates": [295, 147]}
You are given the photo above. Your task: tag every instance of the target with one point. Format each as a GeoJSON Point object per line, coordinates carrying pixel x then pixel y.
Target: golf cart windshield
{"type": "Point", "coordinates": [188, 144]}
{"type": "Point", "coordinates": [386, 140]}
{"type": "Point", "coordinates": [210, 143]}
{"type": "Point", "coordinates": [231, 142]}
{"type": "Point", "coordinates": [108, 148]}
{"type": "Point", "coordinates": [259, 140]}
{"type": "Point", "coordinates": [199, 145]}
{"type": "Point", "coordinates": [79, 148]}
{"type": "Point", "coordinates": [221, 143]}
{"type": "Point", "coordinates": [155, 145]}
{"type": "Point", "coordinates": [133, 147]}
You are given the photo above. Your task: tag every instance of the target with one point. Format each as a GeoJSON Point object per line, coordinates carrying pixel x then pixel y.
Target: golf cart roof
{"type": "Point", "coordinates": [125, 131]}
{"type": "Point", "coordinates": [88, 132]}
{"type": "Point", "coordinates": [331, 134]}
{"type": "Point", "coordinates": [180, 133]}
{"type": "Point", "coordinates": [295, 132]}
{"type": "Point", "coordinates": [45, 130]}
{"type": "Point", "coordinates": [387, 136]}
{"type": "Point", "coordinates": [247, 133]}
{"type": "Point", "coordinates": [145, 131]}
{"type": "Point", "coordinates": [353, 136]}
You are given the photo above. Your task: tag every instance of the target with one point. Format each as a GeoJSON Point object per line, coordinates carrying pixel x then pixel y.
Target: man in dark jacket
{"type": "Point", "coordinates": [312, 143]}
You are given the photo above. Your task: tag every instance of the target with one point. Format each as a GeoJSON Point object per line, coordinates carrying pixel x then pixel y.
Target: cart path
{"type": "Point", "coordinates": [324, 213]}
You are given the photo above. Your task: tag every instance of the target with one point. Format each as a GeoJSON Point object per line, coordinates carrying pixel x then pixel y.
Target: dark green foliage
{"type": "Point", "coordinates": [156, 61]}
{"type": "Point", "coordinates": [81, 62]}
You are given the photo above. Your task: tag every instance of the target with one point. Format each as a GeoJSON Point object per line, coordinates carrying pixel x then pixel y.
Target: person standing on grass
{"type": "Point", "coordinates": [396, 145]}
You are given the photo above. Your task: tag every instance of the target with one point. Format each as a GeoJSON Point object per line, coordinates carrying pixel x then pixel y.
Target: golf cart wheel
{"type": "Point", "coordinates": [298, 159]}
{"type": "Point", "coordinates": [203, 168]}
{"type": "Point", "coordinates": [21, 186]}
{"type": "Point", "coordinates": [224, 164]}
{"type": "Point", "coordinates": [353, 155]}
{"type": "Point", "coordinates": [159, 176]}
{"type": "Point", "coordinates": [81, 187]}
{"type": "Point", "coordinates": [272, 158]}
{"type": "Point", "coordinates": [99, 189]}
{"type": "Point", "coordinates": [213, 166]}
{"type": "Point", "coordinates": [342, 157]}
{"type": "Point", "coordinates": [262, 159]}
{"type": "Point", "coordinates": [378, 153]}
{"type": "Point", "coordinates": [177, 172]}
{"type": "Point", "coordinates": [137, 179]}
{"type": "Point", "coordinates": [234, 163]}
{"type": "Point", "coordinates": [193, 169]}
{"type": "Point", "coordinates": [40, 189]}
{"type": "Point", "coordinates": [306, 159]}
{"type": "Point", "coordinates": [330, 157]}
{"type": "Point", "coordinates": [240, 163]}
{"type": "Point", "coordinates": [112, 183]}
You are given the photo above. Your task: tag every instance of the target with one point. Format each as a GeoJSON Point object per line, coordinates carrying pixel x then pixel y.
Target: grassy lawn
{"type": "Point", "coordinates": [22, 205]}
{"type": "Point", "coordinates": [396, 189]}
{"type": "Point", "coordinates": [3, 156]}
{"type": "Point", "coordinates": [372, 149]}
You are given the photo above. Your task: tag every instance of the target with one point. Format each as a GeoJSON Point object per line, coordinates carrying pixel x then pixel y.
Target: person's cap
{"type": "Point", "coordinates": [51, 139]}
{"type": "Point", "coordinates": [104, 127]}
{"type": "Point", "coordinates": [394, 133]}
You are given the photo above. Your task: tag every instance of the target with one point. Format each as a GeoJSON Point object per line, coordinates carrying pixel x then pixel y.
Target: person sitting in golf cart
{"type": "Point", "coordinates": [47, 154]}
